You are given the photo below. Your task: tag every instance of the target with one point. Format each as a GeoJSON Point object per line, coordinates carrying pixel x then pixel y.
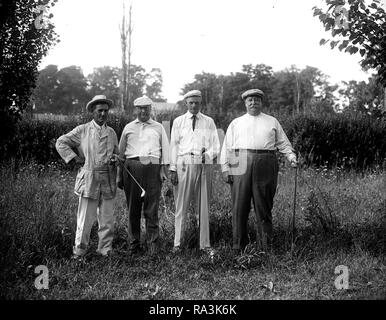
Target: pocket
{"type": "Point", "coordinates": [265, 170]}
{"type": "Point", "coordinates": [79, 182]}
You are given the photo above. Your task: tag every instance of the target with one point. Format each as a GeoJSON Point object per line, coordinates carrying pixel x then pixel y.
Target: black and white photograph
{"type": "Point", "coordinates": [197, 157]}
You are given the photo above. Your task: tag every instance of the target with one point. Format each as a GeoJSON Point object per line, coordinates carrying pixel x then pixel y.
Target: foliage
{"type": "Point", "coordinates": [350, 141]}
{"type": "Point", "coordinates": [67, 91]}
{"type": "Point", "coordinates": [289, 91]}
{"type": "Point", "coordinates": [61, 92]}
{"type": "Point", "coordinates": [358, 26]}
{"type": "Point", "coordinates": [344, 140]}
{"type": "Point", "coordinates": [361, 26]}
{"type": "Point", "coordinates": [105, 80]}
{"type": "Point", "coordinates": [363, 97]}
{"type": "Point", "coordinates": [24, 42]}
{"type": "Point", "coordinates": [154, 85]}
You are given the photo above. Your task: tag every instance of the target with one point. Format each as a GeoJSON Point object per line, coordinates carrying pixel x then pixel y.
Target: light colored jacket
{"type": "Point", "coordinates": [95, 145]}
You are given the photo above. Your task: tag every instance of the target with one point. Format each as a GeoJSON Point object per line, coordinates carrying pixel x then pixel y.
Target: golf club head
{"type": "Point", "coordinates": [143, 193]}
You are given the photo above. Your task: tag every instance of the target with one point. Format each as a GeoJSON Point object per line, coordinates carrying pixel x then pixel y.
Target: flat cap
{"type": "Point", "coordinates": [192, 93]}
{"type": "Point", "coordinates": [143, 101]}
{"type": "Point", "coordinates": [252, 92]}
{"type": "Point", "coordinates": [98, 99]}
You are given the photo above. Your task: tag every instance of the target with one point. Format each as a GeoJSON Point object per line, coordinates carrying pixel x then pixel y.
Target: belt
{"type": "Point", "coordinates": [146, 159]}
{"type": "Point", "coordinates": [256, 151]}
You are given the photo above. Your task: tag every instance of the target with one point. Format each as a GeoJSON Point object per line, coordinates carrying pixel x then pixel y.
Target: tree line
{"type": "Point", "coordinates": [67, 90]}
{"type": "Point", "coordinates": [289, 91]}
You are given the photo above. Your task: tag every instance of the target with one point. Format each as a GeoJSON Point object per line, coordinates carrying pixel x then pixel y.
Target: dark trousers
{"type": "Point", "coordinates": [148, 176]}
{"type": "Point", "coordinates": [258, 183]}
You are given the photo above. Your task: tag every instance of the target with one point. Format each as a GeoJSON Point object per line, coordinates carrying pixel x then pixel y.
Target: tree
{"type": "Point", "coordinates": [296, 91]}
{"type": "Point", "coordinates": [26, 35]}
{"type": "Point", "coordinates": [358, 25]}
{"type": "Point", "coordinates": [71, 95]}
{"type": "Point", "coordinates": [62, 92]}
{"type": "Point", "coordinates": [105, 80]}
{"type": "Point", "coordinates": [363, 97]}
{"type": "Point", "coordinates": [44, 93]}
{"type": "Point", "coordinates": [154, 85]}
{"type": "Point", "coordinates": [126, 30]}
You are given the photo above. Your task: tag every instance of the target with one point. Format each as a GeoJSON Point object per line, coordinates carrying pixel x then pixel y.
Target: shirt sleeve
{"type": "Point", "coordinates": [122, 143]}
{"type": "Point", "coordinates": [165, 148]}
{"type": "Point", "coordinates": [116, 145]}
{"type": "Point", "coordinates": [174, 142]}
{"type": "Point", "coordinates": [283, 144]}
{"type": "Point", "coordinates": [67, 142]}
{"type": "Point", "coordinates": [226, 146]}
{"type": "Point", "coordinates": [214, 142]}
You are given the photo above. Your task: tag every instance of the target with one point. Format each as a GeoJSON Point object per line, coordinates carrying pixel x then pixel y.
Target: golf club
{"type": "Point", "coordinates": [135, 180]}
{"type": "Point", "coordinates": [294, 207]}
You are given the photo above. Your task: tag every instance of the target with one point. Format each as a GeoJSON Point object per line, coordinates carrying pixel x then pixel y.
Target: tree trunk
{"type": "Point", "coordinates": [124, 63]}
{"type": "Point", "coordinates": [130, 30]}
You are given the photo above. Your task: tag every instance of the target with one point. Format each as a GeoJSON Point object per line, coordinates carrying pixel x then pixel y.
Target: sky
{"type": "Point", "coordinates": [186, 37]}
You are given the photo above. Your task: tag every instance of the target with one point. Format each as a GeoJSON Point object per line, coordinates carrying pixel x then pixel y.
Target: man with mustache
{"type": "Point", "coordinates": [250, 166]}
{"type": "Point", "coordinates": [97, 148]}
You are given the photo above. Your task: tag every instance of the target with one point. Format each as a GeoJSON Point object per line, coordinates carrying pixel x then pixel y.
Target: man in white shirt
{"type": "Point", "coordinates": [145, 147]}
{"type": "Point", "coordinates": [194, 145]}
{"type": "Point", "coordinates": [249, 164]}
{"type": "Point", "coordinates": [97, 148]}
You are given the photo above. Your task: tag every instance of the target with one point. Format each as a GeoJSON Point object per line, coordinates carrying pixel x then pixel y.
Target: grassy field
{"type": "Point", "coordinates": [341, 220]}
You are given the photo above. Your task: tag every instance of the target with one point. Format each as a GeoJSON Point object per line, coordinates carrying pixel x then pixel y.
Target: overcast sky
{"type": "Point", "coordinates": [186, 37]}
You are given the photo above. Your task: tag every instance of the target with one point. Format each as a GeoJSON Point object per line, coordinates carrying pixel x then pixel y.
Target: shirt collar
{"type": "Point", "coordinates": [190, 115]}
{"type": "Point", "coordinates": [150, 121]}
{"type": "Point", "coordinates": [251, 116]}
{"type": "Point", "coordinates": [98, 126]}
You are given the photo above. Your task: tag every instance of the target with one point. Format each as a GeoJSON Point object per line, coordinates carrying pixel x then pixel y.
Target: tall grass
{"type": "Point", "coordinates": [338, 216]}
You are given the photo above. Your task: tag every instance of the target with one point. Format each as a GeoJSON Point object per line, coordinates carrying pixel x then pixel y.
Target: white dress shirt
{"type": "Point", "coordinates": [261, 132]}
{"type": "Point", "coordinates": [185, 141]}
{"type": "Point", "coordinates": [145, 139]}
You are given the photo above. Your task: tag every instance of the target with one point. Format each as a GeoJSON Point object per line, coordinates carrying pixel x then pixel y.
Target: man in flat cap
{"type": "Point", "coordinates": [250, 166]}
{"type": "Point", "coordinates": [96, 146]}
{"type": "Point", "coordinates": [194, 145]}
{"type": "Point", "coordinates": [145, 147]}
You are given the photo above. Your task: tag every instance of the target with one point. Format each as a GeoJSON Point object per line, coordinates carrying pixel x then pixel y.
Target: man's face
{"type": "Point", "coordinates": [193, 104]}
{"type": "Point", "coordinates": [100, 113]}
{"type": "Point", "coordinates": [143, 113]}
{"type": "Point", "coordinates": [253, 105]}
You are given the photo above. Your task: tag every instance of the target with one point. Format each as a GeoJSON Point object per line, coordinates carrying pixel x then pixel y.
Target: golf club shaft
{"type": "Point", "coordinates": [135, 180]}
{"type": "Point", "coordinates": [294, 207]}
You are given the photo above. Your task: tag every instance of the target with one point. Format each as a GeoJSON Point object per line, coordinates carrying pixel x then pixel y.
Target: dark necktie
{"type": "Point", "coordinates": [194, 121]}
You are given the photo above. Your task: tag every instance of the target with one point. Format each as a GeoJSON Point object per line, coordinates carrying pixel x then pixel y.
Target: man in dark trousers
{"type": "Point", "coordinates": [250, 166]}
{"type": "Point", "coordinates": [145, 147]}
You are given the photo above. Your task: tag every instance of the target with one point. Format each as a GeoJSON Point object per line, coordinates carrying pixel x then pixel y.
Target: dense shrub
{"type": "Point", "coordinates": [334, 140]}
{"type": "Point", "coordinates": [338, 140]}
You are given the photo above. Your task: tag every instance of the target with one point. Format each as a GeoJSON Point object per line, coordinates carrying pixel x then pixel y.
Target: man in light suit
{"type": "Point", "coordinates": [194, 146]}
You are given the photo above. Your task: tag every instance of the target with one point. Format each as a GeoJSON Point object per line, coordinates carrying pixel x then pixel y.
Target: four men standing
{"type": "Point", "coordinates": [248, 163]}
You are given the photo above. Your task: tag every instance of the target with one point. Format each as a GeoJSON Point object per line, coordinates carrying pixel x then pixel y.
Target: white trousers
{"type": "Point", "coordinates": [88, 211]}
{"type": "Point", "coordinates": [193, 182]}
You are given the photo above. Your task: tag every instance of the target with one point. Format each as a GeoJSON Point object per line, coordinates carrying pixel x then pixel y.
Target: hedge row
{"type": "Point", "coordinates": [336, 140]}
